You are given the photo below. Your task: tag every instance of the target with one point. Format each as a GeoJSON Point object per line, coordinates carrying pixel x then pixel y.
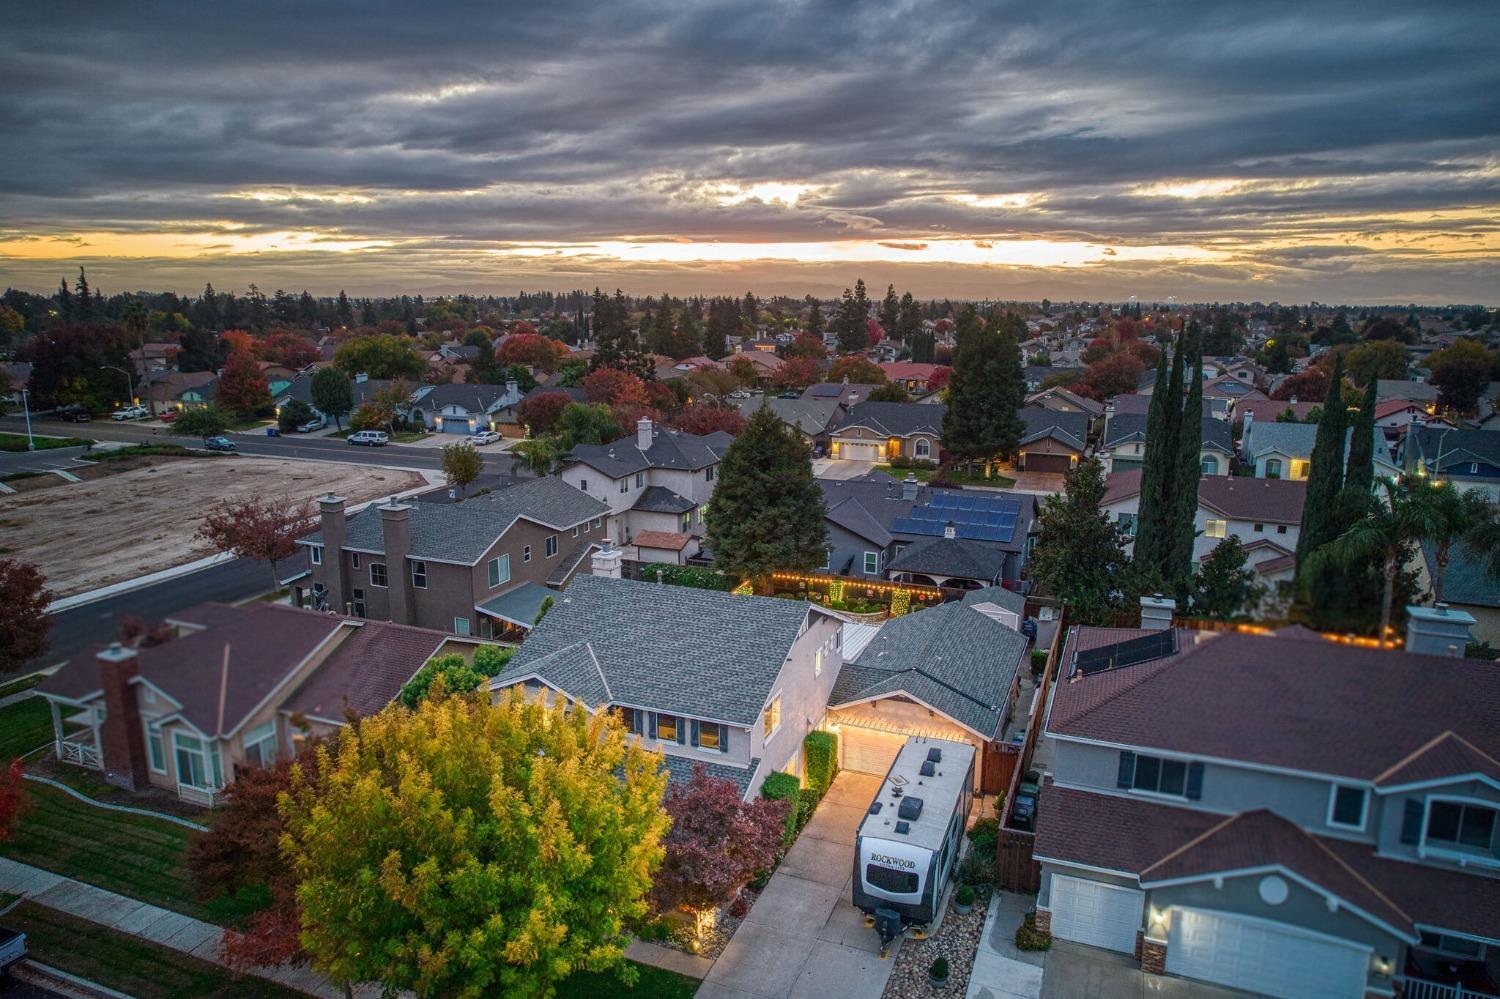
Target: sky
{"type": "Point", "coordinates": [1210, 151]}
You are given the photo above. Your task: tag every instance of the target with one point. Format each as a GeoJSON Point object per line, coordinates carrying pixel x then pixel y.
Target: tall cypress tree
{"type": "Point", "coordinates": [1182, 498]}
{"type": "Point", "coordinates": [1320, 511]}
{"type": "Point", "coordinates": [1359, 469]}
{"type": "Point", "coordinates": [1153, 542]}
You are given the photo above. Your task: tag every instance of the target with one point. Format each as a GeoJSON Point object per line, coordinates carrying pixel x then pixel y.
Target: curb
{"type": "Point", "coordinates": [115, 589]}
{"type": "Point", "coordinates": [115, 808]}
{"type": "Point", "coordinates": [32, 970]}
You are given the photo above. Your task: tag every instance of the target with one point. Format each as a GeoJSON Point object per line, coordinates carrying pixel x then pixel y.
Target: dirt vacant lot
{"type": "Point", "coordinates": [90, 534]}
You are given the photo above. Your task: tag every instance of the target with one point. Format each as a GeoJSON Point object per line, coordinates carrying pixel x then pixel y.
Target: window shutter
{"type": "Point", "coordinates": [1127, 769]}
{"type": "Point", "coordinates": [1411, 821]}
{"type": "Point", "coordinates": [651, 724]}
{"type": "Point", "coordinates": [693, 731]}
{"type": "Point", "coordinates": [1194, 781]}
{"type": "Point", "coordinates": [723, 738]}
{"type": "Point", "coordinates": [682, 732]}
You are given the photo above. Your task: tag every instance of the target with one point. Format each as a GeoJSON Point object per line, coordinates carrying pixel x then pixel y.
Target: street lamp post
{"type": "Point", "coordinates": [26, 408]}
{"type": "Point", "coordinates": [129, 383]}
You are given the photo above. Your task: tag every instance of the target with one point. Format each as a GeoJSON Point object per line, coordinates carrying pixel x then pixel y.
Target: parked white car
{"type": "Point", "coordinates": [370, 438]}
{"type": "Point", "coordinates": [484, 437]}
{"type": "Point", "coordinates": [129, 413]}
{"type": "Point", "coordinates": [316, 423]}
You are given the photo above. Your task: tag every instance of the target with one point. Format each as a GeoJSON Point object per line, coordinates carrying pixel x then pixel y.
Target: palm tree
{"type": "Point", "coordinates": [1387, 534]}
{"type": "Point", "coordinates": [1453, 516]}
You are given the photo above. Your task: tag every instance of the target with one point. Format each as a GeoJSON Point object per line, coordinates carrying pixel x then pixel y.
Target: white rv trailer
{"type": "Point", "coordinates": [908, 844]}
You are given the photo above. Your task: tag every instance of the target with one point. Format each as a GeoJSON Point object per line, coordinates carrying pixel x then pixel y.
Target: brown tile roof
{"type": "Point", "coordinates": [1112, 831]}
{"type": "Point", "coordinates": [666, 540]}
{"type": "Point", "coordinates": [1275, 500]}
{"type": "Point", "coordinates": [366, 671]}
{"type": "Point", "coordinates": [1320, 707]}
{"type": "Point", "coordinates": [1121, 485]}
{"type": "Point", "coordinates": [1266, 410]}
{"type": "Point", "coordinates": [1432, 896]}
{"type": "Point", "coordinates": [1445, 755]}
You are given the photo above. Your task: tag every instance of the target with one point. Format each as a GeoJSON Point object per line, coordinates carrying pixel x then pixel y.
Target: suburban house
{"type": "Point", "coordinates": [1269, 410]}
{"type": "Point", "coordinates": [1053, 441]}
{"type": "Point", "coordinates": [162, 390]}
{"type": "Point", "coordinates": [481, 567]}
{"type": "Point", "coordinates": [1395, 416]}
{"type": "Point", "coordinates": [733, 682]}
{"type": "Point", "coordinates": [1279, 450]}
{"type": "Point", "coordinates": [658, 480]}
{"type": "Point", "coordinates": [880, 431]}
{"type": "Point", "coordinates": [844, 393]}
{"type": "Point", "coordinates": [812, 418]}
{"type": "Point", "coordinates": [968, 540]}
{"type": "Point", "coordinates": [861, 514]}
{"type": "Point", "coordinates": [465, 408]}
{"type": "Point", "coordinates": [1470, 459]}
{"type": "Point", "coordinates": [947, 672]}
{"type": "Point", "coordinates": [1467, 586]}
{"type": "Point", "coordinates": [1064, 400]}
{"type": "Point", "coordinates": [277, 376]}
{"type": "Point", "coordinates": [1123, 445]}
{"type": "Point", "coordinates": [363, 388]}
{"type": "Point", "coordinates": [229, 690]}
{"type": "Point", "coordinates": [910, 375]}
{"type": "Point", "coordinates": [1277, 813]}
{"type": "Point", "coordinates": [1265, 514]}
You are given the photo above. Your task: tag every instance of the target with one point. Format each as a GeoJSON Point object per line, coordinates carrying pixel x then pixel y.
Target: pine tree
{"type": "Point", "coordinates": [1325, 480]}
{"type": "Point", "coordinates": [964, 419]}
{"type": "Point", "coordinates": [909, 324]}
{"type": "Point", "coordinates": [345, 310]}
{"type": "Point", "coordinates": [890, 311]}
{"type": "Point", "coordinates": [1183, 497]}
{"type": "Point", "coordinates": [688, 340]}
{"type": "Point", "coordinates": [85, 299]}
{"type": "Point", "coordinates": [850, 324]}
{"type": "Point", "coordinates": [815, 323]}
{"type": "Point", "coordinates": [750, 313]}
{"type": "Point", "coordinates": [1004, 386]}
{"type": "Point", "coordinates": [616, 343]}
{"type": "Point", "coordinates": [661, 334]}
{"type": "Point", "coordinates": [767, 513]}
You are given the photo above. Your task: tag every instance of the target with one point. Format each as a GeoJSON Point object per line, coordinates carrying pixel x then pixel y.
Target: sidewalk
{"type": "Point", "coordinates": [1002, 970]}
{"type": "Point", "coordinates": [149, 922]}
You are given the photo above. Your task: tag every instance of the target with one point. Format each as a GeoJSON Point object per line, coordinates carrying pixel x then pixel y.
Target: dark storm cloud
{"type": "Point", "coordinates": [474, 125]}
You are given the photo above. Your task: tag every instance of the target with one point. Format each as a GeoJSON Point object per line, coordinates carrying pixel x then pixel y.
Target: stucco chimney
{"type": "Point", "coordinates": [335, 532]}
{"type": "Point", "coordinates": [909, 487]}
{"type": "Point", "coordinates": [1438, 630]}
{"type": "Point", "coordinates": [395, 534]}
{"type": "Point", "coordinates": [122, 738]}
{"type": "Point", "coordinates": [1157, 611]}
{"type": "Point", "coordinates": [643, 433]}
{"type": "Point", "coordinates": [606, 561]}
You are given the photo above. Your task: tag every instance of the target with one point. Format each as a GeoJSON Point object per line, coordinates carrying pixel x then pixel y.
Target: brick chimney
{"type": "Point", "coordinates": [606, 561]}
{"type": "Point", "coordinates": [643, 433]}
{"type": "Point", "coordinates": [1438, 630]}
{"type": "Point", "coordinates": [395, 533]}
{"type": "Point", "coordinates": [122, 738]}
{"type": "Point", "coordinates": [335, 532]}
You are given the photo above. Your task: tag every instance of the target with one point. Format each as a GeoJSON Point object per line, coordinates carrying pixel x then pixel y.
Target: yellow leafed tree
{"type": "Point", "coordinates": [475, 849]}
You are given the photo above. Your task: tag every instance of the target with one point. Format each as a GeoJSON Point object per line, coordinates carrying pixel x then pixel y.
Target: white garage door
{"type": "Point", "coordinates": [1095, 913]}
{"type": "Point", "coordinates": [1263, 957]}
{"type": "Point", "coordinates": [859, 452]}
{"type": "Point", "coordinates": [868, 750]}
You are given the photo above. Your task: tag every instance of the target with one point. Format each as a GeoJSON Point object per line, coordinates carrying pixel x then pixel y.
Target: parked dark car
{"type": "Point", "coordinates": [73, 414]}
{"type": "Point", "coordinates": [218, 443]}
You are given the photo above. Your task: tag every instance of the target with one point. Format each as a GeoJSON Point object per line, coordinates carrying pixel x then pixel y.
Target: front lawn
{"type": "Point", "coordinates": [922, 474]}
{"type": "Point", "coordinates": [17, 442]}
{"type": "Point", "coordinates": [25, 683]}
{"type": "Point", "coordinates": [654, 983]}
{"type": "Point", "coordinates": [24, 726]}
{"type": "Point", "coordinates": [993, 481]}
{"type": "Point", "coordinates": [132, 965]}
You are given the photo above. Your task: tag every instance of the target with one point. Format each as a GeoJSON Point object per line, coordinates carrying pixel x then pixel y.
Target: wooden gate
{"type": "Point", "coordinates": [998, 766]}
{"type": "Point", "coordinates": [1014, 867]}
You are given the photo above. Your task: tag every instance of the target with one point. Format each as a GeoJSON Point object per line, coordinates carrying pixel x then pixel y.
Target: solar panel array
{"type": "Point", "coordinates": [1157, 645]}
{"type": "Point", "coordinates": [975, 516]}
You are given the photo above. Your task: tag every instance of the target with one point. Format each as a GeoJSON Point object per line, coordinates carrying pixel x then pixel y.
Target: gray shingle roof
{"type": "Point", "coordinates": [867, 505]}
{"type": "Point", "coordinates": [1070, 428]}
{"type": "Point", "coordinates": [1124, 428]}
{"type": "Point", "coordinates": [1295, 440]}
{"type": "Point", "coordinates": [895, 419]}
{"type": "Point", "coordinates": [952, 557]}
{"type": "Point", "coordinates": [680, 771]}
{"type": "Point", "coordinates": [520, 605]}
{"type": "Point", "coordinates": [1457, 447]}
{"type": "Point", "coordinates": [1466, 581]}
{"type": "Point", "coordinates": [998, 595]}
{"type": "Point", "coordinates": [669, 449]}
{"type": "Point", "coordinates": [473, 397]}
{"type": "Point", "coordinates": [701, 653]}
{"type": "Point", "coordinates": [950, 657]}
{"type": "Point", "coordinates": [660, 499]}
{"type": "Point", "coordinates": [810, 416]}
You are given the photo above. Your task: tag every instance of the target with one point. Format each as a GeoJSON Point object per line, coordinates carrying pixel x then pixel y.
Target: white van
{"type": "Point", "coordinates": [372, 438]}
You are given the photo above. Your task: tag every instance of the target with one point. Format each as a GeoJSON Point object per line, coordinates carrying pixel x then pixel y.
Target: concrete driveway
{"type": "Point", "coordinates": [830, 468]}
{"type": "Point", "coordinates": [803, 936]}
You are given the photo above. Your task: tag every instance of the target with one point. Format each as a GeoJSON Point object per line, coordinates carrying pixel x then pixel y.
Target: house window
{"type": "Point", "coordinates": [1260, 528]}
{"type": "Point", "coordinates": [1299, 469]}
{"type": "Point", "coordinates": [157, 747]}
{"type": "Point", "coordinates": [668, 728]}
{"type": "Point", "coordinates": [687, 521]}
{"type": "Point", "coordinates": [1468, 950]}
{"type": "Point", "coordinates": [924, 447]}
{"type": "Point", "coordinates": [377, 574]}
{"type": "Point", "coordinates": [640, 479]}
{"type": "Point", "coordinates": [358, 600]}
{"type": "Point", "coordinates": [818, 663]}
{"type": "Point", "coordinates": [1215, 528]}
{"type": "Point", "coordinates": [460, 626]}
{"type": "Point", "coordinates": [197, 765]}
{"type": "Point", "coordinates": [1280, 528]}
{"type": "Point", "coordinates": [1346, 807]}
{"type": "Point", "coordinates": [708, 473]}
{"type": "Point", "coordinates": [419, 574]}
{"type": "Point", "coordinates": [625, 484]}
{"type": "Point", "coordinates": [1128, 522]}
{"type": "Point", "coordinates": [575, 532]}
{"type": "Point", "coordinates": [355, 557]}
{"type": "Point", "coordinates": [260, 744]}
{"type": "Point", "coordinates": [711, 735]}
{"type": "Point", "coordinates": [1158, 775]}
{"type": "Point", "coordinates": [526, 554]}
{"type": "Point", "coordinates": [771, 720]}
{"type": "Point", "coordinates": [872, 563]}
{"type": "Point", "coordinates": [1209, 465]}
{"type": "Point", "coordinates": [598, 522]}
{"type": "Point", "coordinates": [583, 484]}
{"type": "Point", "coordinates": [1462, 826]}
{"type": "Point", "coordinates": [499, 569]}
{"type": "Point", "coordinates": [1273, 468]}
{"type": "Point", "coordinates": [634, 720]}
{"type": "Point", "coordinates": [585, 527]}
{"type": "Point", "coordinates": [550, 546]}
{"type": "Point", "coordinates": [316, 554]}
{"type": "Point", "coordinates": [827, 558]}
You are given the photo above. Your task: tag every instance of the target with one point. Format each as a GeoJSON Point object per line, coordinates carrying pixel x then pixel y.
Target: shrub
{"type": "Point", "coordinates": [687, 575]}
{"type": "Point", "coordinates": [977, 868]}
{"type": "Point", "coordinates": [1028, 937]}
{"type": "Point", "coordinates": [939, 969]}
{"type": "Point", "coordinates": [807, 803]}
{"type": "Point", "coordinates": [491, 659]}
{"type": "Point", "coordinates": [822, 759]}
{"type": "Point", "coordinates": [901, 461]}
{"type": "Point", "coordinates": [964, 895]}
{"type": "Point", "coordinates": [784, 787]}
{"type": "Point", "coordinates": [900, 602]}
{"type": "Point", "coordinates": [1038, 661]}
{"type": "Point", "coordinates": [739, 908]}
{"type": "Point", "coordinates": [985, 828]}
{"type": "Point", "coordinates": [458, 677]}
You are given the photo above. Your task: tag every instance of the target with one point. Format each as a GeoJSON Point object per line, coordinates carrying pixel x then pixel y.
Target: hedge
{"type": "Point", "coordinates": [688, 575]}
{"type": "Point", "coordinates": [822, 760]}
{"type": "Point", "coordinates": [784, 787]}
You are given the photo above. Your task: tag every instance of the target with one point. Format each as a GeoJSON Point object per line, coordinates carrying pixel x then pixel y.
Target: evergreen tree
{"type": "Point", "coordinates": [332, 394]}
{"type": "Point", "coordinates": [688, 340]}
{"type": "Point", "coordinates": [750, 313]}
{"type": "Point", "coordinates": [661, 336]}
{"type": "Point", "coordinates": [768, 514]}
{"type": "Point", "coordinates": [964, 419]}
{"type": "Point", "coordinates": [1081, 553]}
{"type": "Point", "coordinates": [909, 324]}
{"type": "Point", "coordinates": [1359, 468]}
{"type": "Point", "coordinates": [85, 300]}
{"type": "Point", "coordinates": [850, 325]}
{"type": "Point", "coordinates": [890, 311]}
{"type": "Point", "coordinates": [616, 343]}
{"type": "Point", "coordinates": [1183, 496]}
{"type": "Point", "coordinates": [1004, 385]}
{"type": "Point", "coordinates": [1325, 480]}
{"type": "Point", "coordinates": [1226, 586]}
{"type": "Point", "coordinates": [723, 322]}
{"type": "Point", "coordinates": [815, 323]}
{"type": "Point", "coordinates": [1151, 533]}
{"type": "Point", "coordinates": [345, 310]}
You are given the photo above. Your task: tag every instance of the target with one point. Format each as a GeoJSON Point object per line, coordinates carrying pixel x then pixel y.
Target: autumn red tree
{"type": "Point", "coordinates": [24, 622]}
{"type": "Point", "coordinates": [532, 350]}
{"type": "Point", "coordinates": [242, 388]}
{"type": "Point", "coordinates": [939, 378]}
{"type": "Point", "coordinates": [260, 528]}
{"type": "Point", "coordinates": [717, 843]}
{"type": "Point", "coordinates": [876, 331]}
{"type": "Point", "coordinates": [857, 370]}
{"type": "Point", "coordinates": [1311, 383]}
{"type": "Point", "coordinates": [234, 340]}
{"type": "Point", "coordinates": [807, 345]}
{"type": "Point", "coordinates": [702, 419]}
{"type": "Point", "coordinates": [614, 387]}
{"type": "Point", "coordinates": [522, 328]}
{"type": "Point", "coordinates": [13, 801]}
{"type": "Point", "coordinates": [1115, 374]}
{"type": "Point", "coordinates": [540, 412]}
{"type": "Point", "coordinates": [289, 349]}
{"type": "Point", "coordinates": [795, 372]}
